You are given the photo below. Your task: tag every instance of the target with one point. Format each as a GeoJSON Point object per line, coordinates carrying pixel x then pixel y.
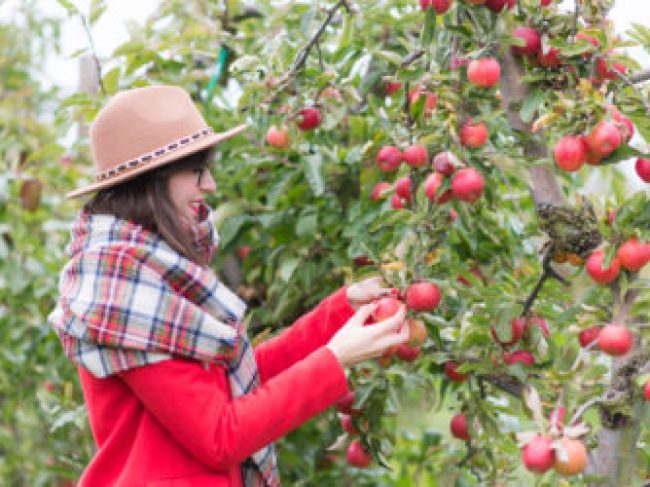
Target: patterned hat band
{"type": "Point", "coordinates": [150, 157]}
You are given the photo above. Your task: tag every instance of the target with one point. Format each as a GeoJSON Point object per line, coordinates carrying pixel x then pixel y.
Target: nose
{"type": "Point", "coordinates": [207, 183]}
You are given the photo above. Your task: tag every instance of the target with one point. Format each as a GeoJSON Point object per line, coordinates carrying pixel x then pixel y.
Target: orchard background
{"type": "Point", "coordinates": [501, 218]}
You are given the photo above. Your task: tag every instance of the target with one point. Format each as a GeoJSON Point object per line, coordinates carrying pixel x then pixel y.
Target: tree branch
{"type": "Point", "coordinates": [301, 58]}
{"type": "Point", "coordinates": [630, 83]}
{"type": "Point", "coordinates": [640, 76]}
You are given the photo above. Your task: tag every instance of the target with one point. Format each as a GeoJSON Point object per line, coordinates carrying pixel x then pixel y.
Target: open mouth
{"type": "Point", "coordinates": [200, 210]}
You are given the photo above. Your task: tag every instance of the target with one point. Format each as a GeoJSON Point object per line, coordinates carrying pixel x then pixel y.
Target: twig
{"type": "Point", "coordinates": [301, 58]}
{"type": "Point", "coordinates": [640, 77]}
{"type": "Point", "coordinates": [581, 410]}
{"type": "Point", "coordinates": [547, 272]}
{"type": "Point", "coordinates": [470, 453]}
{"type": "Point", "coordinates": [409, 58]}
{"type": "Point", "coordinates": [98, 66]}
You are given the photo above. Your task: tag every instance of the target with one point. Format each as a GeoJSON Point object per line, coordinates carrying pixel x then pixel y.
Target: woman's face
{"type": "Point", "coordinates": [187, 190]}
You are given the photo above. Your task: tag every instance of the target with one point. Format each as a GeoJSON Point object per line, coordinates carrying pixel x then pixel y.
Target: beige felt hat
{"type": "Point", "coordinates": [145, 128]}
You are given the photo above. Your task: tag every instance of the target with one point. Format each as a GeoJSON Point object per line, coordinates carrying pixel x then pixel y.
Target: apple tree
{"type": "Point", "coordinates": [469, 152]}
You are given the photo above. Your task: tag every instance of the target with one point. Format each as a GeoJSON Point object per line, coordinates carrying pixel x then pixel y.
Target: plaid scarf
{"type": "Point", "coordinates": [128, 299]}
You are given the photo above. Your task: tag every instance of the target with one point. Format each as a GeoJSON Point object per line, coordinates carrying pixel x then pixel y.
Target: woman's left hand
{"type": "Point", "coordinates": [368, 290]}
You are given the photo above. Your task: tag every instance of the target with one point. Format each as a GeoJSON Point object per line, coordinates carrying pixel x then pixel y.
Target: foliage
{"type": "Point", "coordinates": [306, 214]}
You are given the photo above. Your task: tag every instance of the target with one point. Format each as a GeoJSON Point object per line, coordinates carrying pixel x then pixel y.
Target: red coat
{"type": "Point", "coordinates": [174, 423]}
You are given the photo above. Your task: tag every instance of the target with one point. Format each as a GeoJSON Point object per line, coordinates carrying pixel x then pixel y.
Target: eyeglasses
{"type": "Point", "coordinates": [200, 171]}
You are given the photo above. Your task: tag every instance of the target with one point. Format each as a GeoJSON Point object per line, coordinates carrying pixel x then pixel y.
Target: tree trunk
{"type": "Point", "coordinates": [615, 457]}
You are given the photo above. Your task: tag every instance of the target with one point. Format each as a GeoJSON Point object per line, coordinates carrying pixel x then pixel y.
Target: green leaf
{"type": "Point", "coordinates": [111, 80]}
{"type": "Point", "coordinates": [429, 27]}
{"type": "Point", "coordinates": [231, 227]}
{"type": "Point", "coordinates": [312, 166]}
{"type": "Point", "coordinates": [97, 8]}
{"type": "Point", "coordinates": [68, 6]}
{"type": "Point", "coordinates": [531, 104]}
{"type": "Point", "coordinates": [288, 264]}
{"type": "Point", "coordinates": [307, 223]}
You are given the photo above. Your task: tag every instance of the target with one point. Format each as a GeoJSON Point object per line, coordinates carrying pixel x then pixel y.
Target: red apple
{"type": "Point", "coordinates": [389, 158]}
{"type": "Point", "coordinates": [345, 403]}
{"type": "Point", "coordinates": [380, 190]}
{"type": "Point", "coordinates": [595, 268]}
{"type": "Point", "coordinates": [550, 59]}
{"type": "Point", "coordinates": [473, 135]}
{"type": "Point", "coordinates": [588, 38]}
{"type": "Point", "coordinates": [430, 102]}
{"type": "Point", "coordinates": [545, 3]}
{"type": "Point", "coordinates": [642, 168]}
{"type": "Point", "coordinates": [397, 203]}
{"type": "Point", "coordinates": [407, 353]}
{"type": "Point", "coordinates": [278, 137]}
{"type": "Point", "coordinates": [605, 72]}
{"type": "Point", "coordinates": [309, 118]}
{"type": "Point", "coordinates": [440, 6]}
{"type": "Point", "coordinates": [541, 322]}
{"type": "Point", "coordinates": [422, 296]}
{"type": "Point", "coordinates": [538, 454]}
{"type": "Point", "coordinates": [615, 340]}
{"type": "Point", "coordinates": [633, 254]}
{"type": "Point", "coordinates": [432, 185]}
{"type": "Point", "coordinates": [519, 356]}
{"type": "Point", "coordinates": [604, 138]}
{"type": "Point", "coordinates": [484, 72]}
{"type": "Point", "coordinates": [445, 163]}
{"type": "Point", "coordinates": [391, 87]}
{"type": "Point", "coordinates": [589, 335]}
{"type": "Point", "coordinates": [467, 184]}
{"type": "Point", "coordinates": [570, 152]}
{"type": "Point", "coordinates": [347, 424]}
{"type": "Point", "coordinates": [357, 456]}
{"type": "Point", "coordinates": [403, 188]}
{"type": "Point", "coordinates": [417, 332]}
{"type": "Point", "coordinates": [458, 427]}
{"type": "Point", "coordinates": [498, 5]}
{"type": "Point", "coordinates": [532, 40]}
{"type": "Point", "coordinates": [450, 371]}
{"type": "Point", "coordinates": [386, 307]}
{"type": "Point", "coordinates": [646, 391]}
{"type": "Point", "coordinates": [243, 251]}
{"type": "Point", "coordinates": [623, 124]}
{"type": "Point", "coordinates": [416, 155]}
{"type": "Point", "coordinates": [518, 327]}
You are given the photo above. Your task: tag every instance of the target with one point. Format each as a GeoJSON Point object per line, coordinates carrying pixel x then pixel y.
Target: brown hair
{"type": "Point", "coordinates": [146, 201]}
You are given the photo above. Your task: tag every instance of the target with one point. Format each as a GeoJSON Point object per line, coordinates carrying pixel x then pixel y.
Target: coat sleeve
{"type": "Point", "coordinates": [309, 332]}
{"type": "Point", "coordinates": [195, 407]}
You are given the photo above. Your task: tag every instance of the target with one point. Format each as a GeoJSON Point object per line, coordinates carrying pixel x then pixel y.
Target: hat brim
{"type": "Point", "coordinates": [201, 144]}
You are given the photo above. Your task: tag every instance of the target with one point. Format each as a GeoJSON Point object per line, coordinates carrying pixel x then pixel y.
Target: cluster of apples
{"type": "Point", "coordinates": [572, 151]}
{"type": "Point", "coordinates": [496, 6]}
{"type": "Point", "coordinates": [520, 330]}
{"type": "Point", "coordinates": [540, 455]}
{"type": "Point", "coordinates": [631, 255]}
{"type": "Point", "coordinates": [308, 118]}
{"type": "Point", "coordinates": [558, 449]}
{"type": "Point", "coordinates": [467, 183]}
{"type": "Point", "coordinates": [356, 455]}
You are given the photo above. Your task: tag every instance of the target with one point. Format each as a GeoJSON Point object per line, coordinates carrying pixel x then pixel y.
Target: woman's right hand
{"type": "Point", "coordinates": [355, 343]}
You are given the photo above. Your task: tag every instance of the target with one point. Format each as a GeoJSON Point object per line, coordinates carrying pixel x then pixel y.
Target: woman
{"type": "Point", "coordinates": [176, 395]}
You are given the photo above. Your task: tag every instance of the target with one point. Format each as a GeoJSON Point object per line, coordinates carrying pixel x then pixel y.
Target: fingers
{"type": "Point", "coordinates": [362, 314]}
{"type": "Point", "coordinates": [393, 324]}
